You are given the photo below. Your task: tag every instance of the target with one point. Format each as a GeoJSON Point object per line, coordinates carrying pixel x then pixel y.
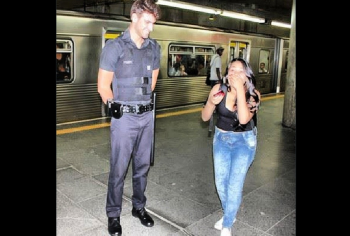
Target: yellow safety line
{"type": "Point", "coordinates": [176, 113]}
{"type": "Point", "coordinates": [272, 97]}
{"type": "Point", "coordinates": [82, 128]}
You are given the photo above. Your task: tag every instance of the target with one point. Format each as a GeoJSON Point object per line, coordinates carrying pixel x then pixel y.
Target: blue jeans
{"type": "Point", "coordinates": [233, 153]}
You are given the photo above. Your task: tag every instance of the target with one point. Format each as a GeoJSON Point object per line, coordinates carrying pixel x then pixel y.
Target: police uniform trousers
{"type": "Point", "coordinates": [131, 137]}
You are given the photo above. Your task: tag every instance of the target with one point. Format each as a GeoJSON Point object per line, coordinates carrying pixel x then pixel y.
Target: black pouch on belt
{"type": "Point", "coordinates": [115, 109]}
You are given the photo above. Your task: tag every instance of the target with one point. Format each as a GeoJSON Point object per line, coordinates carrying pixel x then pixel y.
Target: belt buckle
{"type": "Point", "coordinates": [133, 109]}
{"type": "Point", "coordinates": [139, 109]}
{"type": "Point", "coordinates": [129, 109]}
{"type": "Point", "coordinates": [125, 108]}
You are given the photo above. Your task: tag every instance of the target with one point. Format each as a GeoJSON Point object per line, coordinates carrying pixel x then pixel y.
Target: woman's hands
{"type": "Point", "coordinates": [237, 80]}
{"type": "Point", "coordinates": [214, 98]}
{"type": "Point", "coordinates": [216, 95]}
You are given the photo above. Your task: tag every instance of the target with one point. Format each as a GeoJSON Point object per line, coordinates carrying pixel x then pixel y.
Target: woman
{"type": "Point", "coordinates": [235, 138]}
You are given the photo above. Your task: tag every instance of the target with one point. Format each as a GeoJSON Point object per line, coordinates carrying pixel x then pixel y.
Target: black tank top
{"type": "Point", "coordinates": [228, 120]}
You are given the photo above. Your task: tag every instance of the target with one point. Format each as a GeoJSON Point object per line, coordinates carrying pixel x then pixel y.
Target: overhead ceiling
{"type": "Point", "coordinates": [279, 10]}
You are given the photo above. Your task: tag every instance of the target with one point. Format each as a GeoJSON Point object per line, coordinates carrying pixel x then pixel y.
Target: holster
{"type": "Point", "coordinates": [115, 109]}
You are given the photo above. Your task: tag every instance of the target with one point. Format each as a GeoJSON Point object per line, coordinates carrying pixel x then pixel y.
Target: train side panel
{"type": "Point", "coordinates": [79, 99]}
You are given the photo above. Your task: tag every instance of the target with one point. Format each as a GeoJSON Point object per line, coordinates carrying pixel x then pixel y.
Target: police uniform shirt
{"type": "Point", "coordinates": [131, 67]}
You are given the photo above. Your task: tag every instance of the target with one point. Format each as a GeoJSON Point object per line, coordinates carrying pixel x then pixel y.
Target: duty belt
{"type": "Point", "coordinates": [138, 109]}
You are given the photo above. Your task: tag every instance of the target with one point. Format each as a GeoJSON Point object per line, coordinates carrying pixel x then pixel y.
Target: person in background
{"type": "Point", "coordinates": [215, 67]}
{"type": "Point", "coordinates": [201, 69]}
{"type": "Point", "coordinates": [262, 68]}
{"type": "Point", "coordinates": [171, 69]}
{"type": "Point", "coordinates": [178, 59]}
{"type": "Point", "coordinates": [181, 71]}
{"type": "Point", "coordinates": [62, 64]}
{"type": "Point", "coordinates": [191, 68]}
{"type": "Point", "coordinates": [235, 137]}
{"type": "Point", "coordinates": [130, 63]}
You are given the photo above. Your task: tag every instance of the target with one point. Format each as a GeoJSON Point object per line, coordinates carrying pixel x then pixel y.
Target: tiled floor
{"type": "Point", "coordinates": [181, 193]}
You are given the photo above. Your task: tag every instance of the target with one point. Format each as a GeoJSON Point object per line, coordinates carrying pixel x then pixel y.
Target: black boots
{"type": "Point", "coordinates": [114, 227]}
{"type": "Point", "coordinates": [144, 217]}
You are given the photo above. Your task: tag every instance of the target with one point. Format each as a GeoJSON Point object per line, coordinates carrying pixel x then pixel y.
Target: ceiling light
{"type": "Point", "coordinates": [188, 6]}
{"type": "Point", "coordinates": [209, 10]}
{"type": "Point", "coordinates": [281, 24]}
{"type": "Point", "coordinates": [215, 11]}
{"type": "Point", "coordinates": [243, 16]}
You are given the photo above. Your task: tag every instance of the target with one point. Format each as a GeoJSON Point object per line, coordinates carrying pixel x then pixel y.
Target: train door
{"type": "Point", "coordinates": [107, 35]}
{"type": "Point", "coordinates": [280, 65]}
{"type": "Point", "coordinates": [238, 49]}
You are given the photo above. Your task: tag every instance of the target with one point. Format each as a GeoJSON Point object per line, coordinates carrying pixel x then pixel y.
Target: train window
{"type": "Point", "coordinates": [189, 60]}
{"type": "Point", "coordinates": [242, 50]}
{"type": "Point", "coordinates": [64, 62]}
{"type": "Point", "coordinates": [264, 61]}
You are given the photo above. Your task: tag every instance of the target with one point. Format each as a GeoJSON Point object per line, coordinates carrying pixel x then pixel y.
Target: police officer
{"type": "Point", "coordinates": [131, 64]}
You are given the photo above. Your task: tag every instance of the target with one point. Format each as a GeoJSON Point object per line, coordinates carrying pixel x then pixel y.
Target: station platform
{"type": "Point", "coordinates": [181, 194]}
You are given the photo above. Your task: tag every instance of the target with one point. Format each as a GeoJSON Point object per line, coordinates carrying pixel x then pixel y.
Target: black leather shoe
{"type": "Point", "coordinates": [114, 227]}
{"type": "Point", "coordinates": [144, 217]}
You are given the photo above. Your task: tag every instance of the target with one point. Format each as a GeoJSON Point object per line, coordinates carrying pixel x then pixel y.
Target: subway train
{"type": "Point", "coordinates": [80, 37]}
